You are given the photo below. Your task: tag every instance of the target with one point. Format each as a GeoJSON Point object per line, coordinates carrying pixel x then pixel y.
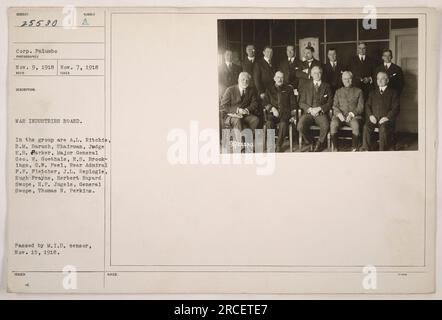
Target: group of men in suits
{"type": "Point", "coordinates": [361, 95]}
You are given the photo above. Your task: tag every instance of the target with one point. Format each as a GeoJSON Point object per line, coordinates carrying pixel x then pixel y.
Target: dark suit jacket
{"type": "Point", "coordinates": [248, 66]}
{"type": "Point", "coordinates": [396, 76]}
{"type": "Point", "coordinates": [324, 92]}
{"type": "Point", "coordinates": [333, 76]}
{"type": "Point", "coordinates": [385, 105]}
{"type": "Point", "coordinates": [289, 71]}
{"type": "Point", "coordinates": [304, 78]}
{"type": "Point", "coordinates": [232, 100]}
{"type": "Point", "coordinates": [226, 77]}
{"type": "Point", "coordinates": [282, 99]}
{"type": "Point", "coordinates": [361, 70]}
{"type": "Point", "coordinates": [263, 75]}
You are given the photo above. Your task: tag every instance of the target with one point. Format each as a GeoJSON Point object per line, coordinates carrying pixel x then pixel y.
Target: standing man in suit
{"type": "Point", "coordinates": [304, 71]}
{"type": "Point", "coordinates": [249, 62]}
{"type": "Point", "coordinates": [289, 66]}
{"type": "Point", "coordinates": [348, 108]}
{"type": "Point", "coordinates": [382, 108]}
{"type": "Point", "coordinates": [333, 70]}
{"type": "Point", "coordinates": [280, 104]}
{"type": "Point", "coordinates": [239, 104]}
{"type": "Point", "coordinates": [394, 72]}
{"type": "Point", "coordinates": [264, 71]}
{"type": "Point", "coordinates": [316, 101]}
{"type": "Point", "coordinates": [228, 73]}
{"type": "Point", "coordinates": [362, 67]}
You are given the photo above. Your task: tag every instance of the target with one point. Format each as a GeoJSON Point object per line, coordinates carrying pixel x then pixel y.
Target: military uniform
{"type": "Point", "coordinates": [346, 101]}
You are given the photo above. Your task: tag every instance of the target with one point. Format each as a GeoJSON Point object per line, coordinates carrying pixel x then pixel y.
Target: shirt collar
{"type": "Point", "coordinates": [268, 61]}
{"type": "Point", "coordinates": [383, 88]}
{"type": "Point", "coordinates": [388, 64]}
{"type": "Point", "coordinates": [318, 82]}
{"type": "Point", "coordinates": [251, 59]}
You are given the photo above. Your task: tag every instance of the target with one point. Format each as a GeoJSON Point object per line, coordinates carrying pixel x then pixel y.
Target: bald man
{"type": "Point", "coordinates": [280, 104]}
{"type": "Point", "coordinates": [239, 104]}
{"type": "Point", "coordinates": [382, 108]}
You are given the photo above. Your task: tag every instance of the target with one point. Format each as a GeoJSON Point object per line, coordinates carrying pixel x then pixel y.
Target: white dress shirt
{"type": "Point", "coordinates": [382, 89]}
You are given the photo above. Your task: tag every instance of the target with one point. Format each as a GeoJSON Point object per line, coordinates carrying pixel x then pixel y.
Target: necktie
{"type": "Point", "coordinates": [382, 91]}
{"type": "Point", "coordinates": [279, 96]}
{"type": "Point", "coordinates": [316, 86]}
{"type": "Point", "coordinates": [242, 94]}
{"type": "Point", "coordinates": [334, 65]}
{"type": "Point", "coordinates": [386, 67]}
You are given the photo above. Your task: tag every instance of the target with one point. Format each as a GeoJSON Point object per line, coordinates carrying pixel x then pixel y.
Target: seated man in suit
{"type": "Point", "coordinates": [228, 73]}
{"type": "Point", "coordinates": [239, 106]}
{"type": "Point", "coordinates": [303, 73]}
{"type": "Point", "coordinates": [263, 72]}
{"type": "Point", "coordinates": [316, 101]}
{"type": "Point", "coordinates": [289, 66]}
{"type": "Point", "coordinates": [394, 72]}
{"type": "Point", "coordinates": [280, 104]}
{"type": "Point", "coordinates": [348, 107]}
{"type": "Point", "coordinates": [333, 70]}
{"type": "Point", "coordinates": [382, 109]}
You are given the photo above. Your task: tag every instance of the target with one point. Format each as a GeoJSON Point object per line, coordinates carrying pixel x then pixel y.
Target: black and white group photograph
{"type": "Point", "coordinates": [318, 85]}
{"type": "Point", "coordinates": [316, 178]}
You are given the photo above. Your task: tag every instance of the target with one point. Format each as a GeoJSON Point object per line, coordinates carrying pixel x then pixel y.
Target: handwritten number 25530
{"type": "Point", "coordinates": [39, 23]}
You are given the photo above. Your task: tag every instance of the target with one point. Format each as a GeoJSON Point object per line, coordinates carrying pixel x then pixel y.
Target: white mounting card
{"type": "Point", "coordinates": [120, 177]}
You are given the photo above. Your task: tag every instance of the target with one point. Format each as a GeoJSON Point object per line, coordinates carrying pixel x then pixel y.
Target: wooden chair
{"type": "Point", "coordinates": [315, 128]}
{"type": "Point", "coordinates": [344, 128]}
{"type": "Point", "coordinates": [292, 123]}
